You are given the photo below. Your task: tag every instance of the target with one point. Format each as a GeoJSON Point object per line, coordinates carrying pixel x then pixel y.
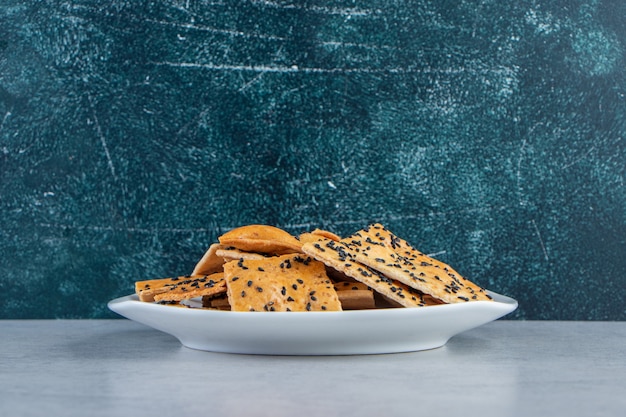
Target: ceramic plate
{"type": "Point", "coordinates": [315, 333]}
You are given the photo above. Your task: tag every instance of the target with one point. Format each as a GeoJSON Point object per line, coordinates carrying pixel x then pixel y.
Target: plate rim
{"type": "Point", "coordinates": [501, 301]}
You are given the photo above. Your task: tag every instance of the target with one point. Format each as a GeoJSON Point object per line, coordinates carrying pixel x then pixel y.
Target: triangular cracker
{"type": "Point", "coordinates": [338, 256]}
{"type": "Point", "coordinates": [282, 283]}
{"type": "Point", "coordinates": [381, 250]}
{"type": "Point", "coordinates": [180, 288]}
{"type": "Point", "coordinates": [211, 262]}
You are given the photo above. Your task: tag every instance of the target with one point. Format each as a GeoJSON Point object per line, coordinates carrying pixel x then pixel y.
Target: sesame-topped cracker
{"type": "Point", "coordinates": [261, 238]}
{"type": "Point", "coordinates": [382, 251]}
{"type": "Point", "coordinates": [282, 283]}
{"type": "Point", "coordinates": [180, 288]}
{"type": "Point", "coordinates": [338, 256]}
{"type": "Point", "coordinates": [210, 263]}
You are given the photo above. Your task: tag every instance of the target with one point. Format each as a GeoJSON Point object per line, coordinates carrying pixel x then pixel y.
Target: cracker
{"type": "Point", "coordinates": [350, 286]}
{"type": "Point", "coordinates": [211, 262]}
{"type": "Point", "coordinates": [218, 302]}
{"type": "Point", "coordinates": [381, 250]}
{"type": "Point", "coordinates": [180, 288]}
{"type": "Point", "coordinates": [338, 256]}
{"type": "Point", "coordinates": [308, 237]}
{"type": "Point", "coordinates": [354, 295]}
{"type": "Point", "coordinates": [356, 299]}
{"type": "Point", "coordinates": [281, 283]}
{"type": "Point", "coordinates": [261, 238]}
{"type": "Point", "coordinates": [316, 234]}
{"type": "Point", "coordinates": [232, 254]}
{"type": "Point", "coordinates": [147, 289]}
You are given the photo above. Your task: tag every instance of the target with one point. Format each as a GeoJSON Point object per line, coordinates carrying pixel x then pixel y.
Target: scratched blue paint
{"type": "Point", "coordinates": [490, 134]}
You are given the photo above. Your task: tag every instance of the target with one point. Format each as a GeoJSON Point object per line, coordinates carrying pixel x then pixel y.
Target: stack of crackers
{"type": "Point", "coordinates": [264, 268]}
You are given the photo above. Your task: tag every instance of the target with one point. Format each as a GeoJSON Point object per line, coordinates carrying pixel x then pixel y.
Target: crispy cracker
{"type": "Point", "coordinates": [211, 262]}
{"type": "Point", "coordinates": [317, 234]}
{"type": "Point", "coordinates": [381, 250]}
{"type": "Point", "coordinates": [218, 301]}
{"type": "Point", "coordinates": [232, 254]}
{"type": "Point", "coordinates": [354, 295]}
{"type": "Point", "coordinates": [309, 237]}
{"type": "Point", "coordinates": [282, 283]}
{"type": "Point", "coordinates": [180, 288]}
{"type": "Point", "coordinates": [337, 256]}
{"type": "Point", "coordinates": [350, 286]}
{"type": "Point", "coordinates": [261, 238]}
{"type": "Point", "coordinates": [356, 299]}
{"type": "Point", "coordinates": [326, 234]}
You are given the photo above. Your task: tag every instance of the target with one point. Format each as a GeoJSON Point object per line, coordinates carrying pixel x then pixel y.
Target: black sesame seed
{"type": "Point", "coordinates": [318, 247]}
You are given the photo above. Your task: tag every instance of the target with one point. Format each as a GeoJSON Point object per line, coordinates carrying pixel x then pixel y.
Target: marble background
{"type": "Point", "coordinates": [490, 134]}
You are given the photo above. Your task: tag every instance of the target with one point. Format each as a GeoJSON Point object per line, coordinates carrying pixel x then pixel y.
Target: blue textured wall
{"type": "Point", "coordinates": [489, 133]}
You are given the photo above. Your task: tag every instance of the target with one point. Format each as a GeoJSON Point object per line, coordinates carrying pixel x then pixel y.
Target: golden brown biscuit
{"type": "Point", "coordinates": [382, 251]}
{"type": "Point", "coordinates": [232, 254]}
{"type": "Point", "coordinates": [337, 256]}
{"type": "Point", "coordinates": [180, 288]}
{"type": "Point", "coordinates": [316, 235]}
{"type": "Point", "coordinates": [261, 238]}
{"type": "Point", "coordinates": [282, 283]}
{"type": "Point", "coordinates": [210, 262]}
{"type": "Point", "coordinates": [216, 302]}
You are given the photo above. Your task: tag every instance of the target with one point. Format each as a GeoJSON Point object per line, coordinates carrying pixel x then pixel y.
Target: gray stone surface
{"type": "Point", "coordinates": [505, 368]}
{"type": "Point", "coordinates": [133, 133]}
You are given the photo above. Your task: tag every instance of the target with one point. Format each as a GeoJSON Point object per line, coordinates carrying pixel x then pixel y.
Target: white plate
{"type": "Point", "coordinates": [315, 333]}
